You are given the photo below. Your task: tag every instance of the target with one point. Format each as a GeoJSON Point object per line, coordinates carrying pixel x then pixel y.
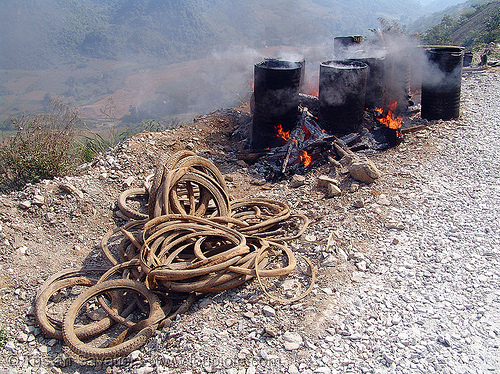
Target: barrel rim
{"type": "Point", "coordinates": [368, 58]}
{"type": "Point", "coordinates": [344, 63]}
{"type": "Point", "coordinates": [288, 64]}
{"type": "Point", "coordinates": [452, 50]}
{"type": "Point", "coordinates": [356, 39]}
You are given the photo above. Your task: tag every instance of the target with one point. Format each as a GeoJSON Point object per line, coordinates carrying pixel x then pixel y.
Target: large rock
{"type": "Point", "coordinates": [297, 181]}
{"type": "Point", "coordinates": [325, 180]}
{"type": "Point", "coordinates": [364, 170]}
{"type": "Point", "coordinates": [331, 185]}
{"type": "Point", "coordinates": [69, 188]}
{"type": "Point", "coordinates": [333, 190]}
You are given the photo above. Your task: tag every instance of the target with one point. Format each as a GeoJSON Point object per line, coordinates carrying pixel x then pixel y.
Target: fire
{"type": "Point", "coordinates": [280, 133]}
{"type": "Point", "coordinates": [305, 158]}
{"type": "Point", "coordinates": [390, 120]}
{"type": "Point", "coordinates": [311, 90]}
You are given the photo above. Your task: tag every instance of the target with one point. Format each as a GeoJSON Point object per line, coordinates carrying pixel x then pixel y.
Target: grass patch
{"type": "Point", "coordinates": [92, 143]}
{"type": "Point", "coordinates": [4, 336]}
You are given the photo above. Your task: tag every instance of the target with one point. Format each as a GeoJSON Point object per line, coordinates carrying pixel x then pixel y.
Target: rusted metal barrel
{"type": "Point", "coordinates": [342, 89]}
{"type": "Point", "coordinates": [441, 82]}
{"type": "Point", "coordinates": [276, 95]}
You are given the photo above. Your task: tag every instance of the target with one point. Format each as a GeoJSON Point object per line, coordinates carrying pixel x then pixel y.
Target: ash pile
{"type": "Point", "coordinates": [368, 97]}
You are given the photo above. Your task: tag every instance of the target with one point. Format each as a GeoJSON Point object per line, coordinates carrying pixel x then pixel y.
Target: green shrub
{"type": "Point", "coordinates": [4, 336]}
{"type": "Point", "coordinates": [42, 148]}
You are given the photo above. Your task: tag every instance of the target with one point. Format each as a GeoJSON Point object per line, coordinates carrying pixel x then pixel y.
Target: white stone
{"type": "Point", "coordinates": [383, 200]}
{"type": "Point", "coordinates": [25, 204]}
{"type": "Point", "coordinates": [361, 265]}
{"type": "Point", "coordinates": [10, 346]}
{"type": "Point", "coordinates": [333, 190]}
{"type": "Point", "coordinates": [129, 181]}
{"type": "Point", "coordinates": [328, 291]}
{"type": "Point", "coordinates": [38, 200]}
{"type": "Point", "coordinates": [43, 348]}
{"type": "Point", "coordinates": [323, 369]}
{"type": "Point", "coordinates": [22, 337]}
{"type": "Point", "coordinates": [22, 250]}
{"type": "Point", "coordinates": [310, 238]}
{"type": "Point", "coordinates": [248, 314]}
{"type": "Point", "coordinates": [135, 355]}
{"type": "Point", "coordinates": [263, 353]}
{"type": "Point", "coordinates": [292, 340]}
{"type": "Point", "coordinates": [324, 181]}
{"type": "Point", "coordinates": [268, 311]}
{"type": "Point", "coordinates": [144, 370]}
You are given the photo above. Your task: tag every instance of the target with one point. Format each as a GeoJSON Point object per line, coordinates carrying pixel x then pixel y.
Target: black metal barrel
{"type": "Point", "coordinates": [276, 95]}
{"type": "Point", "coordinates": [342, 44]}
{"type": "Point", "coordinates": [398, 78]}
{"type": "Point", "coordinates": [375, 82]}
{"type": "Point", "coordinates": [342, 89]}
{"type": "Point", "coordinates": [468, 58]}
{"type": "Point", "coordinates": [441, 82]}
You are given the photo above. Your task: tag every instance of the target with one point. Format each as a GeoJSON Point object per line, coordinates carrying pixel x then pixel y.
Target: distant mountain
{"type": "Point", "coordinates": [41, 33]}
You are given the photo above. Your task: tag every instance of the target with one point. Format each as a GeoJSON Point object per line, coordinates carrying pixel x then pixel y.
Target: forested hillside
{"type": "Point", "coordinates": [479, 24]}
{"type": "Point", "coordinates": [426, 22]}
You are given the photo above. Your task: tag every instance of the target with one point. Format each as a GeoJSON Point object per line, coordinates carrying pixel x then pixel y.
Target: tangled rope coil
{"type": "Point", "coordinates": [194, 239]}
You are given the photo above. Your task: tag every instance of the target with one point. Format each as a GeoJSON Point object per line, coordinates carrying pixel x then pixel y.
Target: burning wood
{"type": "Point", "coordinates": [305, 158]}
{"type": "Point", "coordinates": [280, 133]}
{"type": "Point", "coordinates": [389, 118]}
{"type": "Point", "coordinates": [305, 143]}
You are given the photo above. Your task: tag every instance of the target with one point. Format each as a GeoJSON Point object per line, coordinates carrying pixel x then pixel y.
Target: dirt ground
{"type": "Point", "coordinates": [44, 228]}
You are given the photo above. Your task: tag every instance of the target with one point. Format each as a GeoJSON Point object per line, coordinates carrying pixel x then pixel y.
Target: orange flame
{"type": "Point", "coordinates": [311, 90]}
{"type": "Point", "coordinates": [280, 133]}
{"type": "Point", "coordinates": [390, 120]}
{"type": "Point", "coordinates": [305, 158]}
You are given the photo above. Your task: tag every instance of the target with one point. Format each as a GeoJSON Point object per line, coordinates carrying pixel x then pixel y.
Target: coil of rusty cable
{"type": "Point", "coordinates": [195, 239]}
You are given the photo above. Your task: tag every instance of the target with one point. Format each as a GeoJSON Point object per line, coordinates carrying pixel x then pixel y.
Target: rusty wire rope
{"type": "Point", "coordinates": [193, 239]}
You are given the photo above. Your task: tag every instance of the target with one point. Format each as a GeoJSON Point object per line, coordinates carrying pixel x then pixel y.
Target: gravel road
{"type": "Point", "coordinates": [431, 303]}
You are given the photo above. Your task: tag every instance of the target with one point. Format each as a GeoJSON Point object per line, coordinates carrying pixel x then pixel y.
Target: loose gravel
{"type": "Point", "coordinates": [408, 273]}
{"type": "Point", "coordinates": [431, 302]}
